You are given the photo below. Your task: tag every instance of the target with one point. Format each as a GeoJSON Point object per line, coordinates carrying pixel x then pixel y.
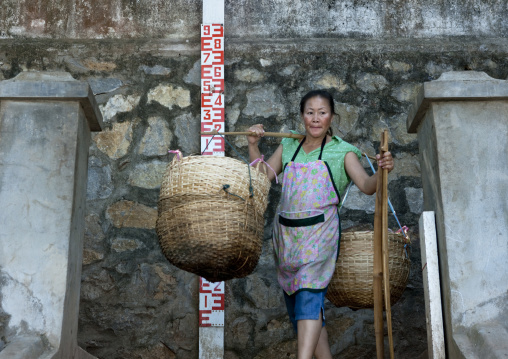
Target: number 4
{"type": "Point", "coordinates": [218, 102]}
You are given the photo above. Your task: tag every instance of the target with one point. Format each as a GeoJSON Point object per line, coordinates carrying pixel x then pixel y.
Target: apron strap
{"type": "Point", "coordinates": [322, 147]}
{"type": "Point", "coordinates": [297, 150]}
{"type": "Point", "coordinates": [300, 146]}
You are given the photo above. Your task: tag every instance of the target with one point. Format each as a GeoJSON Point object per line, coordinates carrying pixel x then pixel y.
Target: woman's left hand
{"type": "Point", "coordinates": [386, 162]}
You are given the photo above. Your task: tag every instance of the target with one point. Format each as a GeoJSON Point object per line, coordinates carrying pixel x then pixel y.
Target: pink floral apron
{"type": "Point", "coordinates": [306, 226]}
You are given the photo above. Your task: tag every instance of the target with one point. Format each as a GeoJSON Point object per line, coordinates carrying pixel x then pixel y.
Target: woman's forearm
{"type": "Point", "coordinates": [370, 185]}
{"type": "Point", "coordinates": [254, 151]}
{"type": "Point", "coordinates": [365, 183]}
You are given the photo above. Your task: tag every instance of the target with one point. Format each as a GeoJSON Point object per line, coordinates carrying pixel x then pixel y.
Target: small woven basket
{"type": "Point", "coordinates": [352, 282]}
{"type": "Point", "coordinates": [208, 223]}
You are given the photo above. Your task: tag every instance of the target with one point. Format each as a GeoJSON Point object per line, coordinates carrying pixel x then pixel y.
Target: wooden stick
{"type": "Point", "coordinates": [267, 134]}
{"type": "Point", "coordinates": [386, 270]}
{"type": "Point", "coordinates": [377, 282]}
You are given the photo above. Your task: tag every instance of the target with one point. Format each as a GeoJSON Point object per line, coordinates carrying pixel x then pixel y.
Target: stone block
{"type": "Point", "coordinates": [169, 96]}
{"type": "Point", "coordinates": [132, 215]}
{"type": "Point", "coordinates": [119, 104]}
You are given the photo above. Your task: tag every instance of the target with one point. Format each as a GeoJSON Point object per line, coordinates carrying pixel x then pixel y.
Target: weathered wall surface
{"type": "Point", "coordinates": [180, 19]}
{"type": "Point", "coordinates": [371, 55]}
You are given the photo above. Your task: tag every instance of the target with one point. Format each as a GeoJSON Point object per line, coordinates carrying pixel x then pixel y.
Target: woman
{"type": "Point", "coordinates": [306, 232]}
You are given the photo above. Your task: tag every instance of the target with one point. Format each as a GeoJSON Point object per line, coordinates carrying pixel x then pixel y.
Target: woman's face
{"type": "Point", "coordinates": [317, 116]}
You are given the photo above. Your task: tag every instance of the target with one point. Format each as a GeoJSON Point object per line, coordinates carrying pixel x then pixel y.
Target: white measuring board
{"type": "Point", "coordinates": [211, 295]}
{"type": "Point", "coordinates": [212, 87]}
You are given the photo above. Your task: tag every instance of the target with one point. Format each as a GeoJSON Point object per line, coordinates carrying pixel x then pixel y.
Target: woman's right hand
{"type": "Point", "coordinates": [259, 132]}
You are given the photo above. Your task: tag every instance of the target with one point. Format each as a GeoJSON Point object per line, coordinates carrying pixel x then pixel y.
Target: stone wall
{"type": "Point", "coordinates": [142, 61]}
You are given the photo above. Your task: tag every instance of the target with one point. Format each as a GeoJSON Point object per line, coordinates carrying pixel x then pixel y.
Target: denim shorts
{"type": "Point", "coordinates": [305, 304]}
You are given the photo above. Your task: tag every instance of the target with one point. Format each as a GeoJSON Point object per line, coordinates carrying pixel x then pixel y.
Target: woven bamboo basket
{"type": "Point", "coordinates": [352, 282]}
{"type": "Point", "coordinates": [208, 223]}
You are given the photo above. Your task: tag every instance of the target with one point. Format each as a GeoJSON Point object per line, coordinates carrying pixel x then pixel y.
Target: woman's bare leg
{"type": "Point", "coordinates": [309, 331]}
{"type": "Point", "coordinates": [323, 347]}
{"type": "Point", "coordinates": [313, 339]}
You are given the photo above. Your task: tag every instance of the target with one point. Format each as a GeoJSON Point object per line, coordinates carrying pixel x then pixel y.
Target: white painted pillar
{"type": "Point", "coordinates": [431, 286]}
{"type": "Point", "coordinates": [211, 295]}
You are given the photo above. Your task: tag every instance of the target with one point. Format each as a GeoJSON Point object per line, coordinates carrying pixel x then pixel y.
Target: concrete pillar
{"type": "Point", "coordinates": [45, 124]}
{"type": "Point", "coordinates": [462, 125]}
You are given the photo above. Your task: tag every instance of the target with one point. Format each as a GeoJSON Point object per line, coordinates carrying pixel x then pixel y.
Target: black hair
{"type": "Point", "coordinates": [319, 93]}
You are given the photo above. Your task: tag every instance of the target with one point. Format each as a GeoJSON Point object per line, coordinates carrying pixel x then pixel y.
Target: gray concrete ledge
{"type": "Point", "coordinates": [57, 86]}
{"type": "Point", "coordinates": [455, 86]}
{"type": "Point", "coordinates": [265, 45]}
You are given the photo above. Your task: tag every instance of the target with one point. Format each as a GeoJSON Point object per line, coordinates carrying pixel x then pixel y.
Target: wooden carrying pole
{"type": "Point", "coordinates": [248, 133]}
{"type": "Point", "coordinates": [266, 134]}
{"type": "Point", "coordinates": [381, 271]}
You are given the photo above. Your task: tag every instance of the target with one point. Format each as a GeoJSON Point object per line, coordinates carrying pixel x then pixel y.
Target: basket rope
{"type": "Point", "coordinates": [178, 157]}
{"type": "Point", "coordinates": [389, 203]}
{"type": "Point", "coordinates": [251, 190]}
{"type": "Point", "coordinates": [402, 229]}
{"type": "Point", "coordinates": [225, 189]}
{"type": "Point", "coordinates": [262, 159]}
{"type": "Point", "coordinates": [177, 152]}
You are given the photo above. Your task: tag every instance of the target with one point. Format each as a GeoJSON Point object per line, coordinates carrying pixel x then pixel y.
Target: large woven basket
{"type": "Point", "coordinates": [208, 223]}
{"type": "Point", "coordinates": [352, 282]}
